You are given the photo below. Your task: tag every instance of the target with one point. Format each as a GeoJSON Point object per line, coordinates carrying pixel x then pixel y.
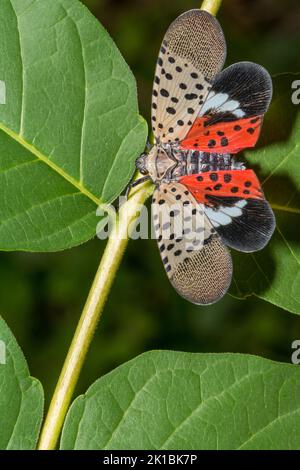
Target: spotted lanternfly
{"type": "Point", "coordinates": [201, 117]}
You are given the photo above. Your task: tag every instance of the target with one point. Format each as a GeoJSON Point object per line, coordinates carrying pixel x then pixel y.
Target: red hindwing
{"type": "Point", "coordinates": [233, 183]}
{"type": "Point", "coordinates": [222, 137]}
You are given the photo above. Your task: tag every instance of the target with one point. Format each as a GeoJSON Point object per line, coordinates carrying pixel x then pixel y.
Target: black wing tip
{"type": "Point", "coordinates": [253, 230]}
{"type": "Point", "coordinates": [268, 226]}
{"type": "Point", "coordinates": [258, 69]}
{"type": "Point", "coordinates": [259, 86]}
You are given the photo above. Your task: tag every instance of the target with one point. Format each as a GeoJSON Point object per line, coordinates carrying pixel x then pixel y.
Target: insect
{"type": "Point", "coordinates": [201, 117]}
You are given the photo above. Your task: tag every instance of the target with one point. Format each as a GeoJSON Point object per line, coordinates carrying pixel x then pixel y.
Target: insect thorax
{"type": "Point", "coordinates": [167, 162]}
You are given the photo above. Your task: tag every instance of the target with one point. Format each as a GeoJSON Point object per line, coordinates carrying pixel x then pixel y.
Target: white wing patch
{"type": "Point", "coordinates": [224, 215]}
{"type": "Point", "coordinates": [221, 103]}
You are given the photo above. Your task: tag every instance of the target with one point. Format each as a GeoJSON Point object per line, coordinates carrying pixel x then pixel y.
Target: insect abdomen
{"type": "Point", "coordinates": [194, 161]}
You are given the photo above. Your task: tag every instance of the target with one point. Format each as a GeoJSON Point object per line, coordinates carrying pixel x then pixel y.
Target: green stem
{"type": "Point", "coordinates": [212, 6]}
{"type": "Point", "coordinates": [95, 303]}
{"type": "Point", "coordinates": [90, 317]}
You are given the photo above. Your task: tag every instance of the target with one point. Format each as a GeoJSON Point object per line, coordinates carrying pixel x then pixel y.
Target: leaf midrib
{"type": "Point", "coordinates": [33, 150]}
{"type": "Point", "coordinates": [278, 207]}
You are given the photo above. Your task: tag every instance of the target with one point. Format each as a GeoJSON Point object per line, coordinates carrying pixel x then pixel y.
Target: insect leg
{"type": "Point", "coordinates": [136, 183]}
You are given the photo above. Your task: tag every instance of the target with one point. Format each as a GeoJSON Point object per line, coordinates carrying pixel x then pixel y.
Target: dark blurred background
{"type": "Point", "coordinates": [41, 295]}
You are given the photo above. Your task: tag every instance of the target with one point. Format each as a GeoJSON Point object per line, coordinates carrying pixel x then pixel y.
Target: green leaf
{"type": "Point", "coordinates": [21, 396]}
{"type": "Point", "coordinates": [69, 128]}
{"type": "Point", "coordinates": [274, 273]}
{"type": "Point", "coordinates": [174, 400]}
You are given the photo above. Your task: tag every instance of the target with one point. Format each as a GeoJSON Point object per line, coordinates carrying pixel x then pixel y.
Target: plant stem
{"type": "Point", "coordinates": [212, 6]}
{"type": "Point", "coordinates": [95, 303]}
{"type": "Point", "coordinates": [90, 317]}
